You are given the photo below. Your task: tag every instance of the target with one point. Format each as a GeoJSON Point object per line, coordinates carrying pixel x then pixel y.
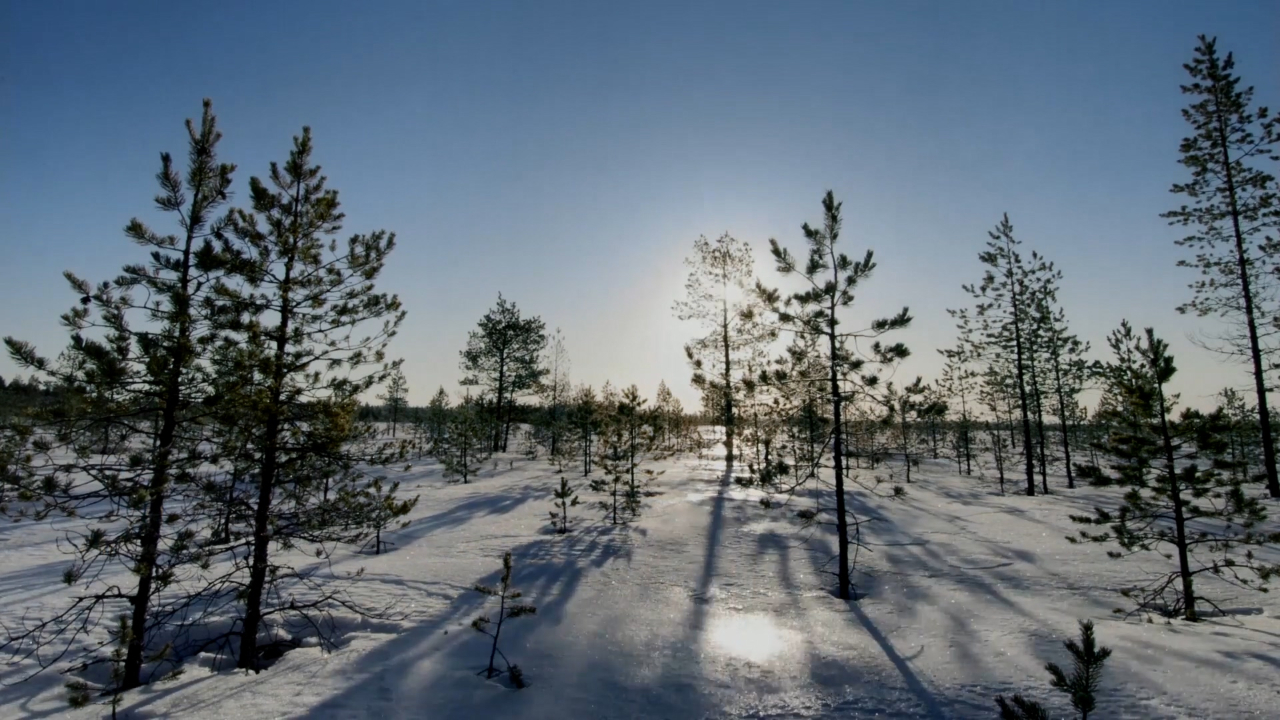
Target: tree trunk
{"type": "Point", "coordinates": [1246, 292]}
{"type": "Point", "coordinates": [252, 622]}
{"type": "Point", "coordinates": [729, 420]}
{"type": "Point", "coordinates": [1179, 516]}
{"type": "Point", "coordinates": [158, 485]}
{"type": "Point", "coordinates": [1022, 385]}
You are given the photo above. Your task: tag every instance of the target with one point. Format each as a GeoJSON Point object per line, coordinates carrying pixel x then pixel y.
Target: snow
{"type": "Point", "coordinates": [712, 606]}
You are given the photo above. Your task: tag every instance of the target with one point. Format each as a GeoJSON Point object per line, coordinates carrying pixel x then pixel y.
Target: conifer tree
{"type": "Point", "coordinates": [718, 296]}
{"type": "Point", "coordinates": [668, 416]}
{"type": "Point", "coordinates": [998, 327]}
{"type": "Point", "coordinates": [585, 418]}
{"type": "Point", "coordinates": [1243, 442]}
{"type": "Point", "coordinates": [906, 407]}
{"type": "Point", "coordinates": [831, 278]}
{"type": "Point", "coordinates": [436, 420]}
{"type": "Point", "coordinates": [504, 357]}
{"type": "Point", "coordinates": [1233, 213]}
{"type": "Point", "coordinates": [384, 510]}
{"type": "Point", "coordinates": [1173, 504]}
{"type": "Point", "coordinates": [507, 609]}
{"type": "Point", "coordinates": [1087, 662]}
{"type": "Point", "coordinates": [627, 440]}
{"type": "Point", "coordinates": [565, 497]}
{"type": "Point", "coordinates": [959, 385]}
{"type": "Point", "coordinates": [467, 442]}
{"type": "Point", "coordinates": [555, 390]}
{"type": "Point", "coordinates": [1064, 360]}
{"type": "Point", "coordinates": [396, 397]}
{"type": "Point", "coordinates": [133, 367]}
{"type": "Point", "coordinates": [307, 323]}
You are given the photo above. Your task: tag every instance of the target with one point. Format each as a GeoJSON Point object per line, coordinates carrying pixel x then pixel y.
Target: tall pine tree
{"type": "Point", "coordinates": [830, 280]}
{"type": "Point", "coordinates": [1234, 205]}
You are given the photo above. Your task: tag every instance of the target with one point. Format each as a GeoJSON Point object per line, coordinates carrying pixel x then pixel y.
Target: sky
{"type": "Point", "coordinates": [567, 154]}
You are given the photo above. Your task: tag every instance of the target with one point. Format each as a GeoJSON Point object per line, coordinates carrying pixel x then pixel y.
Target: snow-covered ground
{"type": "Point", "coordinates": [711, 606]}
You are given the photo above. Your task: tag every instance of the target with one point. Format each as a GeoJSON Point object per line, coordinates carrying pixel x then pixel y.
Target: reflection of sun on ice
{"type": "Point", "coordinates": [754, 638]}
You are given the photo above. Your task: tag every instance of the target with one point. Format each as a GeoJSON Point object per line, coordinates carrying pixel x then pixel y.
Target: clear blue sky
{"type": "Point", "coordinates": [567, 154]}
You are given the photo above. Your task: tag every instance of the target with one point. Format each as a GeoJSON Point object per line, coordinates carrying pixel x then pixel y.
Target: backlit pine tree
{"type": "Point", "coordinates": [1233, 213]}
{"type": "Point", "coordinates": [830, 279]}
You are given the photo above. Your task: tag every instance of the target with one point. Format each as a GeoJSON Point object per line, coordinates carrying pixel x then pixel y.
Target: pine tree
{"type": "Point", "coordinates": [584, 416]}
{"type": "Point", "coordinates": [1234, 205]}
{"type": "Point", "coordinates": [626, 442]}
{"type": "Point", "coordinates": [506, 612]}
{"type": "Point", "coordinates": [905, 410]}
{"type": "Point", "coordinates": [565, 497]}
{"type": "Point", "coordinates": [307, 325]}
{"type": "Point", "coordinates": [668, 416]}
{"type": "Point", "coordinates": [384, 510]}
{"type": "Point", "coordinates": [831, 278]}
{"type": "Point", "coordinates": [1086, 674]}
{"type": "Point", "coordinates": [1172, 504]}
{"type": "Point", "coordinates": [718, 296]}
{"type": "Point", "coordinates": [503, 356]}
{"type": "Point", "coordinates": [959, 385]}
{"type": "Point", "coordinates": [467, 442]}
{"type": "Point", "coordinates": [436, 421]}
{"type": "Point", "coordinates": [144, 384]}
{"type": "Point", "coordinates": [555, 390]}
{"type": "Point", "coordinates": [998, 327]}
{"type": "Point", "coordinates": [1064, 359]}
{"type": "Point", "coordinates": [1087, 660]}
{"type": "Point", "coordinates": [396, 397]}
{"type": "Point", "coordinates": [1244, 443]}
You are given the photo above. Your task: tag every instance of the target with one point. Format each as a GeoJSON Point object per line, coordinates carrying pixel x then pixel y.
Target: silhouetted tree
{"type": "Point", "coordinates": [718, 297]}
{"type": "Point", "coordinates": [831, 278]}
{"type": "Point", "coordinates": [503, 356]}
{"type": "Point", "coordinates": [396, 397]}
{"type": "Point", "coordinates": [1234, 204]}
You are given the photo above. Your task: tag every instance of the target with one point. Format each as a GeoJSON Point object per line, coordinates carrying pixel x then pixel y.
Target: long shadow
{"type": "Point", "coordinates": [908, 675]}
{"type": "Point", "coordinates": [710, 555]}
{"type": "Point", "coordinates": [548, 571]}
{"type": "Point", "coordinates": [475, 507]}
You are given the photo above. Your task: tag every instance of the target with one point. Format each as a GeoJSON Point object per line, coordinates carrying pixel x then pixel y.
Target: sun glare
{"type": "Point", "coordinates": [754, 638]}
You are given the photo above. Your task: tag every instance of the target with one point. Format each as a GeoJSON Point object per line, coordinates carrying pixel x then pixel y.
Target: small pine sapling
{"type": "Point", "coordinates": [384, 510]}
{"type": "Point", "coordinates": [1087, 660]}
{"type": "Point", "coordinates": [79, 692]}
{"type": "Point", "coordinates": [507, 609]}
{"type": "Point", "coordinates": [565, 498]}
{"type": "Point", "coordinates": [614, 487]}
{"type": "Point", "coordinates": [1020, 708]}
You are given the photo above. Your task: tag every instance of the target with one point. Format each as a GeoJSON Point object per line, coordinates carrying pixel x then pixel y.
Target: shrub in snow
{"type": "Point", "coordinates": [566, 497]}
{"type": "Point", "coordinates": [1087, 661]}
{"type": "Point", "coordinates": [507, 609]}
